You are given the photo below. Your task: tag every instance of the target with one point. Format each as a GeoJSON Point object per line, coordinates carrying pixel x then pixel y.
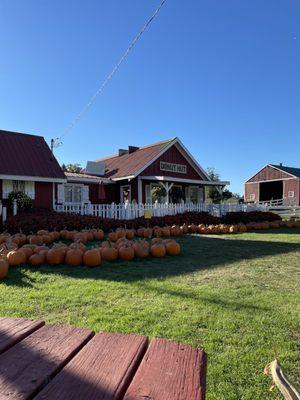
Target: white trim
{"type": "Point", "coordinates": [272, 166]}
{"type": "Point", "coordinates": [32, 178]}
{"type": "Point", "coordinates": [89, 180]}
{"type": "Point", "coordinates": [129, 177]}
{"type": "Point", "coordinates": [269, 180]}
{"type": "Point", "coordinates": [193, 159]}
{"type": "Point", "coordinates": [183, 180]}
{"type": "Point", "coordinates": [140, 190]}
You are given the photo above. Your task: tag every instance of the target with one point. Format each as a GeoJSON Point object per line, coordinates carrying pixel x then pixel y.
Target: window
{"type": "Point", "coordinates": [291, 193]}
{"type": "Point", "coordinates": [18, 186]}
{"type": "Point", "coordinates": [252, 197]}
{"type": "Point", "coordinates": [125, 193]}
{"type": "Point", "coordinates": [73, 194]}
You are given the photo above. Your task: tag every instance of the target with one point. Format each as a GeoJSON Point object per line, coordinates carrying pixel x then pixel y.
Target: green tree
{"type": "Point", "coordinates": [72, 167]}
{"type": "Point", "coordinates": [213, 193]}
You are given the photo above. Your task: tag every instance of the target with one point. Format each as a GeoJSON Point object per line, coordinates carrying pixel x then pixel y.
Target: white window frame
{"type": "Point", "coordinates": [252, 197]}
{"type": "Point", "coordinates": [73, 186]}
{"type": "Point", "coordinates": [10, 185]}
{"type": "Point", "coordinates": [122, 194]}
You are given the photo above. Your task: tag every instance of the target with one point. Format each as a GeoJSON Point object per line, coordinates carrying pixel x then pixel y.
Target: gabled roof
{"type": "Point", "coordinates": [25, 155]}
{"type": "Point", "coordinates": [132, 164]}
{"type": "Point", "coordinates": [289, 170]}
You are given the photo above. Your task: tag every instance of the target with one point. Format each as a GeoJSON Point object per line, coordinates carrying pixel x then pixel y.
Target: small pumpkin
{"type": "Point", "coordinates": [158, 250]}
{"type": "Point", "coordinates": [55, 256]}
{"type": "Point", "coordinates": [16, 257]}
{"type": "Point", "coordinates": [173, 248]}
{"type": "Point", "coordinates": [126, 253]}
{"type": "Point", "coordinates": [92, 258]}
{"type": "Point", "coordinates": [36, 259]}
{"type": "Point", "coordinates": [109, 253]}
{"type": "Point", "coordinates": [74, 257]}
{"type": "Point", "coordinates": [4, 266]}
{"type": "Point", "coordinates": [113, 237]}
{"type": "Point", "coordinates": [98, 234]}
{"type": "Point", "coordinates": [129, 234]}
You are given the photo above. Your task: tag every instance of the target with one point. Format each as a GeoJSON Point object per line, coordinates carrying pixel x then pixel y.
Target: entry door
{"type": "Point", "coordinates": [125, 193]}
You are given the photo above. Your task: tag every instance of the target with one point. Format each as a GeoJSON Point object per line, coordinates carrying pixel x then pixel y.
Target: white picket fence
{"type": "Point", "coordinates": [132, 211]}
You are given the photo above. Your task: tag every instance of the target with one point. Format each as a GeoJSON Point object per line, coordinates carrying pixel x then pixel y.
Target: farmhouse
{"type": "Point", "coordinates": [274, 182]}
{"type": "Point", "coordinates": [133, 173]}
{"type": "Point", "coordinates": [28, 165]}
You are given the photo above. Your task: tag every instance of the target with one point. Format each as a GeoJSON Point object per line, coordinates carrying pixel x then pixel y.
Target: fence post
{"type": "Point", "coordinates": [15, 207]}
{"type": "Point", "coordinates": [4, 214]}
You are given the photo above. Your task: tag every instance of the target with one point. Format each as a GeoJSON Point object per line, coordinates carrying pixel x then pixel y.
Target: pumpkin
{"type": "Point", "coordinates": [92, 258]}
{"type": "Point", "coordinates": [141, 249]}
{"type": "Point", "coordinates": [129, 234]}
{"type": "Point", "coordinates": [242, 228]}
{"type": "Point", "coordinates": [4, 266]}
{"type": "Point", "coordinates": [173, 248]}
{"type": "Point", "coordinates": [63, 234]}
{"type": "Point", "coordinates": [42, 232]}
{"type": "Point", "coordinates": [56, 235]}
{"type": "Point", "coordinates": [233, 229]}
{"type": "Point", "coordinates": [126, 253]}
{"type": "Point", "coordinates": [98, 234]}
{"type": "Point", "coordinates": [140, 232]}
{"type": "Point", "coordinates": [73, 257]}
{"type": "Point", "coordinates": [39, 249]}
{"type": "Point", "coordinates": [16, 257]}
{"type": "Point", "coordinates": [158, 250]}
{"type": "Point", "coordinates": [27, 250]}
{"type": "Point", "coordinates": [88, 235]}
{"type": "Point", "coordinates": [36, 259]}
{"type": "Point", "coordinates": [156, 240]}
{"type": "Point", "coordinates": [78, 246]}
{"type": "Point", "coordinates": [165, 231]}
{"type": "Point", "coordinates": [112, 236]}
{"type": "Point", "coordinates": [121, 233]}
{"type": "Point", "coordinates": [109, 253]}
{"type": "Point", "coordinates": [185, 228]}
{"type": "Point", "coordinates": [192, 228]}
{"type": "Point", "coordinates": [34, 239]}
{"type": "Point", "coordinates": [55, 256]}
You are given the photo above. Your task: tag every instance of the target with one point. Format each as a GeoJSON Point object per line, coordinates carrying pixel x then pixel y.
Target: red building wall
{"type": "Point", "coordinates": [43, 195]}
{"type": "Point", "coordinates": [268, 174]}
{"type": "Point", "coordinates": [172, 155]}
{"type": "Point", "coordinates": [292, 185]}
{"type": "Point", "coordinates": [251, 188]}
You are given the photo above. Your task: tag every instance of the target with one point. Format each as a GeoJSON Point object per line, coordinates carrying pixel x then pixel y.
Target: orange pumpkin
{"type": "Point", "coordinates": [98, 234]}
{"type": "Point", "coordinates": [141, 249]}
{"type": "Point", "coordinates": [55, 256]}
{"type": "Point", "coordinates": [74, 257]}
{"type": "Point", "coordinates": [16, 257]}
{"type": "Point", "coordinates": [4, 266]}
{"type": "Point", "coordinates": [28, 251]}
{"type": "Point", "coordinates": [42, 232]}
{"type": "Point", "coordinates": [129, 234]}
{"type": "Point", "coordinates": [173, 248]}
{"type": "Point", "coordinates": [158, 250]}
{"type": "Point", "coordinates": [78, 246]}
{"type": "Point", "coordinates": [112, 236]}
{"type": "Point", "coordinates": [92, 258]}
{"type": "Point", "coordinates": [109, 253]}
{"type": "Point", "coordinates": [34, 239]}
{"type": "Point", "coordinates": [165, 231]}
{"type": "Point", "coordinates": [126, 253]}
{"type": "Point", "coordinates": [36, 259]}
{"type": "Point", "coordinates": [140, 232]}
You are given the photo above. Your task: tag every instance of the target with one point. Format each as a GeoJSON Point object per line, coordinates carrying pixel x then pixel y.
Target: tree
{"type": "Point", "coordinates": [213, 193]}
{"type": "Point", "coordinates": [72, 167]}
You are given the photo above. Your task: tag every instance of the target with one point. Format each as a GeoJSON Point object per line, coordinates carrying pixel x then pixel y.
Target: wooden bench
{"type": "Point", "coordinates": [60, 362]}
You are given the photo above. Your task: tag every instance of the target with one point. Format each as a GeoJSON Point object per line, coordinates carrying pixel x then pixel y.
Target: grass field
{"type": "Point", "coordinates": [235, 296]}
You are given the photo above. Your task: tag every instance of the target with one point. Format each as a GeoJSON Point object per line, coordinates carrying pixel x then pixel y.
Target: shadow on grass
{"type": "Point", "coordinates": [198, 253]}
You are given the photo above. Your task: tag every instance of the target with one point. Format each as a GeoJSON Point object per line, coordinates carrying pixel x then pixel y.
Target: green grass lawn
{"type": "Point", "coordinates": [235, 296]}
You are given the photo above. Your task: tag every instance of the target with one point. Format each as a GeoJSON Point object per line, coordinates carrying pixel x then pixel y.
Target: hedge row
{"type": "Point", "coordinates": [44, 219]}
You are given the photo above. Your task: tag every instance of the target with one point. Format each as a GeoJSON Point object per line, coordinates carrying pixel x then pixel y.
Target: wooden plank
{"type": "Point", "coordinates": [169, 371]}
{"type": "Point", "coordinates": [102, 370]}
{"type": "Point", "coordinates": [27, 366]}
{"type": "Point", "coordinates": [12, 330]}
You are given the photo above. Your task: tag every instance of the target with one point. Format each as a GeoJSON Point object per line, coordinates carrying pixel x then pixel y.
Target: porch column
{"type": "Point", "coordinates": [168, 187]}
{"type": "Point", "coordinates": [140, 190]}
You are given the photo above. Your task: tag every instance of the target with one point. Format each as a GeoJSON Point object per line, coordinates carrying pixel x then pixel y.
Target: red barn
{"type": "Point", "coordinates": [274, 182]}
{"type": "Point", "coordinates": [134, 172]}
{"type": "Point", "coordinates": [27, 165]}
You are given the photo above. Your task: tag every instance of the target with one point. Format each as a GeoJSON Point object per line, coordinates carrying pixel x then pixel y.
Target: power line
{"type": "Point", "coordinates": [113, 71]}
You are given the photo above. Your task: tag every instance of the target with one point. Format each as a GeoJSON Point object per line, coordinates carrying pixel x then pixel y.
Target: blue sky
{"type": "Point", "coordinates": [224, 76]}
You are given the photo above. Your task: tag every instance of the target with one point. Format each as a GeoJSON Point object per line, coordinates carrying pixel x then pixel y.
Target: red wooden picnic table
{"type": "Point", "coordinates": [60, 362]}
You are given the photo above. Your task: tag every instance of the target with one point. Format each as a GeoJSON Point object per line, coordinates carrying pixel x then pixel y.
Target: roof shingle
{"type": "Point", "coordinates": [27, 155]}
{"type": "Point", "coordinates": [289, 170]}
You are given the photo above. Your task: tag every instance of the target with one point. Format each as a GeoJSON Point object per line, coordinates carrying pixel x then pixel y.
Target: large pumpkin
{"type": "Point", "coordinates": [16, 257]}
{"type": "Point", "coordinates": [109, 253]}
{"type": "Point", "coordinates": [112, 236]}
{"type": "Point", "coordinates": [126, 253]}
{"type": "Point", "coordinates": [173, 248]}
{"type": "Point", "coordinates": [3, 267]}
{"type": "Point", "coordinates": [92, 258]}
{"type": "Point", "coordinates": [141, 249]}
{"type": "Point", "coordinates": [74, 257]}
{"type": "Point", "coordinates": [78, 246]}
{"type": "Point", "coordinates": [158, 250]}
